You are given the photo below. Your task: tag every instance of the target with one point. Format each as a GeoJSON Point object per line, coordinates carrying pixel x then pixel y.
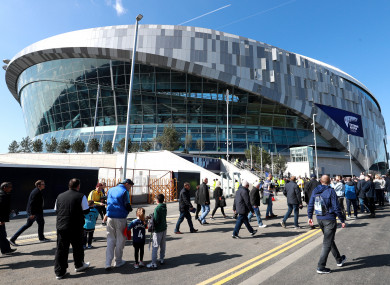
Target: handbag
{"type": "Point", "coordinates": [127, 233]}
{"type": "Point", "coordinates": [222, 202]}
{"type": "Point", "coordinates": [265, 200]}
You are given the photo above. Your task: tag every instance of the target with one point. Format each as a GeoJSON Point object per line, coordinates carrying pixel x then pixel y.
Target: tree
{"type": "Point", "coordinates": [51, 146]}
{"type": "Point", "coordinates": [26, 144]}
{"type": "Point", "coordinates": [121, 145]}
{"type": "Point", "coordinates": [256, 155]}
{"type": "Point", "coordinates": [37, 145]}
{"type": "Point", "coordinates": [170, 138]}
{"type": "Point", "coordinates": [93, 145]}
{"type": "Point", "coordinates": [187, 141]}
{"type": "Point", "coordinates": [64, 146]}
{"type": "Point", "coordinates": [280, 164]}
{"type": "Point", "coordinates": [78, 146]}
{"type": "Point", "coordinates": [200, 145]}
{"type": "Point", "coordinates": [146, 146]}
{"type": "Point", "coordinates": [107, 147]}
{"type": "Point", "coordinates": [13, 147]}
{"type": "Point", "coordinates": [134, 147]}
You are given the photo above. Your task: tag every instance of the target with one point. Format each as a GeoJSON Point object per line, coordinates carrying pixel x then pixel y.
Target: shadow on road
{"type": "Point", "coordinates": [365, 262]}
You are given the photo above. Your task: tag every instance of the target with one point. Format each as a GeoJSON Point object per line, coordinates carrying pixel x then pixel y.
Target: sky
{"type": "Point", "coordinates": [352, 35]}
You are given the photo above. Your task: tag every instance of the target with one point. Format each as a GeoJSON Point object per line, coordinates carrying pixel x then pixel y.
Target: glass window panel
{"type": "Point", "coordinates": [279, 121]}
{"type": "Point", "coordinates": [265, 120]}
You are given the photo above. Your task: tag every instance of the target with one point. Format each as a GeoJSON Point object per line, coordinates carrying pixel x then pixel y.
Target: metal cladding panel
{"type": "Point", "coordinates": [290, 79]}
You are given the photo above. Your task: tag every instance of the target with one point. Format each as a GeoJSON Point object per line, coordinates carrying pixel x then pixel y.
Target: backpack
{"type": "Point", "coordinates": [320, 206]}
{"type": "Point", "coordinates": [350, 192]}
{"type": "Point", "coordinates": [151, 224]}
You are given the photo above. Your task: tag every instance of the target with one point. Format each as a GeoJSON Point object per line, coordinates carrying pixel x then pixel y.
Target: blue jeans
{"type": "Point", "coordinates": [187, 215]}
{"type": "Point", "coordinates": [4, 244]}
{"type": "Point", "coordinates": [354, 204]}
{"type": "Point", "coordinates": [258, 215]}
{"type": "Point", "coordinates": [328, 228]}
{"type": "Point", "coordinates": [242, 219]}
{"type": "Point", "coordinates": [363, 206]}
{"type": "Point", "coordinates": [41, 224]}
{"type": "Point", "coordinates": [269, 208]}
{"type": "Point", "coordinates": [289, 211]}
{"type": "Point", "coordinates": [205, 211]}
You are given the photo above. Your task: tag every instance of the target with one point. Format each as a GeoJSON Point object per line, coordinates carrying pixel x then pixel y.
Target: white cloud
{"type": "Point", "coordinates": [118, 6]}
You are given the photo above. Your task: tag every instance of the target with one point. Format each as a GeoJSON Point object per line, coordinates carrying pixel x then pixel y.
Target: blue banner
{"type": "Point", "coordinates": [351, 123]}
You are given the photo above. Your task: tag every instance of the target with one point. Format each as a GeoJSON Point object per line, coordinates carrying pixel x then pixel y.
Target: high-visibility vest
{"type": "Point", "coordinates": [237, 185]}
{"type": "Point", "coordinates": [213, 186]}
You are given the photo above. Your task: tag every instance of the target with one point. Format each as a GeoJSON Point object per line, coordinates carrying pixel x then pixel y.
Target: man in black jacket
{"type": "Point", "coordinates": [242, 206]}
{"type": "Point", "coordinates": [34, 213]}
{"type": "Point", "coordinates": [369, 189]}
{"type": "Point", "coordinates": [293, 194]}
{"type": "Point", "coordinates": [254, 195]}
{"type": "Point", "coordinates": [387, 186]}
{"type": "Point", "coordinates": [204, 201]}
{"type": "Point", "coordinates": [185, 206]}
{"type": "Point", "coordinates": [309, 187]}
{"type": "Point", "coordinates": [70, 207]}
{"type": "Point", "coordinates": [5, 211]}
{"type": "Point", "coordinates": [361, 195]}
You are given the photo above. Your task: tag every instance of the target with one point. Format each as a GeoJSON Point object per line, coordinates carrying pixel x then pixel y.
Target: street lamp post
{"type": "Point", "coordinates": [315, 143]}
{"type": "Point", "coordinates": [261, 154]}
{"type": "Point", "coordinates": [138, 18]}
{"type": "Point", "coordinates": [227, 124]}
{"type": "Point", "coordinates": [365, 153]}
{"type": "Point", "coordinates": [251, 156]}
{"type": "Point", "coordinates": [96, 110]}
{"type": "Point", "coordinates": [350, 158]}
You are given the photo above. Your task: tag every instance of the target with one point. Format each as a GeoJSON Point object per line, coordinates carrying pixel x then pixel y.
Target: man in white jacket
{"type": "Point", "coordinates": [339, 188]}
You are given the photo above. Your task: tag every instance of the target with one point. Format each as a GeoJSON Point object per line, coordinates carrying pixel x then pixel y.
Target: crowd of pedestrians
{"type": "Point", "coordinates": [77, 215]}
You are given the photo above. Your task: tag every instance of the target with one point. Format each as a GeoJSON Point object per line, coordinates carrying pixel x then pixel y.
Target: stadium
{"type": "Point", "coordinates": [182, 75]}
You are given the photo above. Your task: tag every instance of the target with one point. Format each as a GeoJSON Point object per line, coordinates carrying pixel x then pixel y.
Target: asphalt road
{"type": "Point", "coordinates": [274, 256]}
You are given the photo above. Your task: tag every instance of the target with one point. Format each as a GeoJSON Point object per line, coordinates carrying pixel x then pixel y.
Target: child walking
{"type": "Point", "coordinates": [90, 223]}
{"type": "Point", "coordinates": [138, 225]}
{"type": "Point", "coordinates": [160, 232]}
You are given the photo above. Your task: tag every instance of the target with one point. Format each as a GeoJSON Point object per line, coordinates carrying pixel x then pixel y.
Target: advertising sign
{"type": "Point", "coordinates": [349, 122]}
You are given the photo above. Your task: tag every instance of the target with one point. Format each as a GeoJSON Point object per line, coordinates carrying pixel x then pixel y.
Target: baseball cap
{"type": "Point", "coordinates": [127, 181]}
{"type": "Point", "coordinates": [313, 176]}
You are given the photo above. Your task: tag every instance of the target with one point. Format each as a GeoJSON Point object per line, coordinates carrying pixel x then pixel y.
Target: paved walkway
{"type": "Point", "coordinates": [274, 256]}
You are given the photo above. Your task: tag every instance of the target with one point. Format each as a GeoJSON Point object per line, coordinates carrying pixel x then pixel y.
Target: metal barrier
{"type": "Point", "coordinates": [147, 184]}
{"type": "Point", "coordinates": [165, 186]}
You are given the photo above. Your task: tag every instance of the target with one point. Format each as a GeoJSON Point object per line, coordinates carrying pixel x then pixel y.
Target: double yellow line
{"type": "Point", "coordinates": [256, 261]}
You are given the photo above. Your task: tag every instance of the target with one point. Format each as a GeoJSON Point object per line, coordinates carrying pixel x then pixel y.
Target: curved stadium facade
{"type": "Point", "coordinates": [181, 77]}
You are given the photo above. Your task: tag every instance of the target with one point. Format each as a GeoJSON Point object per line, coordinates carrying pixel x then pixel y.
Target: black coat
{"type": "Point", "coordinates": [70, 214]}
{"type": "Point", "coordinates": [359, 185]}
{"type": "Point", "coordinates": [196, 196]}
{"type": "Point", "coordinates": [387, 185]}
{"type": "Point", "coordinates": [255, 196]}
{"type": "Point", "coordinates": [293, 193]}
{"type": "Point", "coordinates": [203, 195]}
{"type": "Point", "coordinates": [184, 200]}
{"type": "Point", "coordinates": [309, 187]}
{"type": "Point", "coordinates": [218, 193]}
{"type": "Point", "coordinates": [369, 189]}
{"type": "Point", "coordinates": [5, 206]}
{"type": "Point", "coordinates": [242, 204]}
{"type": "Point", "coordinates": [35, 203]}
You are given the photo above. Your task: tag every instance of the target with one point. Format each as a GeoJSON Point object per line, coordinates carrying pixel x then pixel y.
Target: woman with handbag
{"type": "Point", "coordinates": [220, 201]}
